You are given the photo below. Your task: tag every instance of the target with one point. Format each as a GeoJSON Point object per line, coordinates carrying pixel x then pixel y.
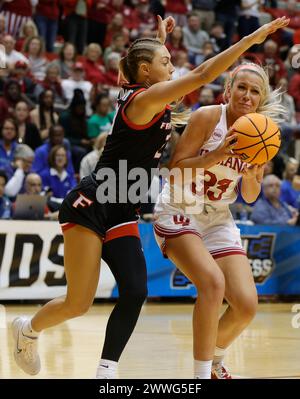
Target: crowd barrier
{"type": "Point", "coordinates": [31, 262]}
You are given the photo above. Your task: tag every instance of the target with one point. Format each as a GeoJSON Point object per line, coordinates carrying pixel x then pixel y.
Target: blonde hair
{"type": "Point", "coordinates": [93, 46]}
{"type": "Point", "coordinates": [270, 102]}
{"type": "Point", "coordinates": [30, 24]}
{"type": "Point", "coordinates": [180, 117]}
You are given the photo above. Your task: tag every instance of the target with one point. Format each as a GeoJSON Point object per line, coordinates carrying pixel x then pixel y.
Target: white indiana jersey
{"type": "Point", "coordinates": [220, 181]}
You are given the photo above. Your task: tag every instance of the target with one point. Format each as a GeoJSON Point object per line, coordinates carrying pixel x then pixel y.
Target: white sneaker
{"type": "Point", "coordinates": [25, 348]}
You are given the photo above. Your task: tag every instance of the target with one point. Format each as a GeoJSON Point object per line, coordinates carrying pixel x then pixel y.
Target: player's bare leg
{"type": "Point", "coordinates": [82, 253]}
{"type": "Point", "coordinates": [205, 274]}
{"type": "Point", "coordinates": [241, 295]}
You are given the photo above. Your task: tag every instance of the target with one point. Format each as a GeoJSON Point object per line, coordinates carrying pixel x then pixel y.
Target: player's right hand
{"type": "Point", "coordinates": [226, 148]}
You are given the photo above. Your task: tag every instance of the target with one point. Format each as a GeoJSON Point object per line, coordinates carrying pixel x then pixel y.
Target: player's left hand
{"type": "Point", "coordinates": [164, 27]}
{"type": "Point", "coordinates": [254, 171]}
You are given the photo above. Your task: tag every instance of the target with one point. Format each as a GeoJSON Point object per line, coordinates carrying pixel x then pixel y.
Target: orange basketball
{"type": "Point", "coordinates": [258, 138]}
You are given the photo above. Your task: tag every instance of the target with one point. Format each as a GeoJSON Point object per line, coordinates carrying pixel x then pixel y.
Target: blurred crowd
{"type": "Point", "coordinates": [59, 88]}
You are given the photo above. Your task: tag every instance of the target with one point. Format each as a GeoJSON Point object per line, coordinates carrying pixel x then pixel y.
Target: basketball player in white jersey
{"type": "Point", "coordinates": [206, 246]}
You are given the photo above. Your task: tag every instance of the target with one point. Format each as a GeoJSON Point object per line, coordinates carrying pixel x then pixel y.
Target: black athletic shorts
{"type": "Point", "coordinates": [107, 220]}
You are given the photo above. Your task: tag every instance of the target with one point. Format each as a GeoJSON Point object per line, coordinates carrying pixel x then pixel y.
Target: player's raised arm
{"type": "Point", "coordinates": [164, 92]}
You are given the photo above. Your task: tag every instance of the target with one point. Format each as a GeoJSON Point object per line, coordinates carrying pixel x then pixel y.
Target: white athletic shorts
{"type": "Point", "coordinates": [218, 230]}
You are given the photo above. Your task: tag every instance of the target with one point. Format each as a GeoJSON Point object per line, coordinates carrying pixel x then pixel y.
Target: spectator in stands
{"type": "Point", "coordinates": [2, 28]}
{"type": "Point", "coordinates": [270, 209]}
{"type": "Point", "coordinates": [98, 18]}
{"type": "Point", "coordinates": [28, 30]}
{"type": "Point", "coordinates": [178, 10]}
{"type": "Point", "coordinates": [5, 204]}
{"type": "Point", "coordinates": [93, 64]}
{"type": "Point", "coordinates": [101, 121]}
{"type": "Point", "coordinates": [21, 74]}
{"type": "Point", "coordinates": [207, 51]}
{"type": "Point", "coordinates": [294, 89]}
{"type": "Point", "coordinates": [205, 10]}
{"type": "Point", "coordinates": [227, 13]}
{"type": "Point", "coordinates": [218, 37]}
{"type": "Point", "coordinates": [145, 18]}
{"type": "Point", "coordinates": [76, 81]}
{"type": "Point", "coordinates": [116, 26]}
{"type": "Point", "coordinates": [44, 116]}
{"type": "Point", "coordinates": [129, 12]}
{"type": "Point", "coordinates": [290, 126]}
{"type": "Point", "coordinates": [66, 60]}
{"type": "Point", "coordinates": [33, 184]}
{"type": "Point", "coordinates": [206, 97]}
{"type": "Point", "coordinates": [89, 161]}
{"type": "Point", "coordinates": [292, 62]}
{"type": "Point", "coordinates": [291, 32]}
{"type": "Point", "coordinates": [23, 158]}
{"type": "Point", "coordinates": [8, 144]}
{"type": "Point", "coordinates": [11, 96]}
{"type": "Point", "coordinates": [74, 123]}
{"type": "Point", "coordinates": [56, 137]}
{"type": "Point", "coordinates": [288, 193]}
{"type": "Point", "coordinates": [12, 55]}
{"type": "Point", "coordinates": [117, 46]}
{"type": "Point", "coordinates": [76, 12]}
{"type": "Point", "coordinates": [194, 38]}
{"type": "Point", "coordinates": [181, 65]}
{"type": "Point", "coordinates": [35, 51]}
{"type": "Point", "coordinates": [16, 13]}
{"type": "Point", "coordinates": [46, 18]}
{"type": "Point", "coordinates": [249, 17]}
{"type": "Point", "coordinates": [52, 82]}
{"type": "Point", "coordinates": [111, 77]}
{"type": "Point", "coordinates": [55, 177]}
{"type": "Point", "coordinates": [275, 66]}
{"type": "Point", "coordinates": [28, 133]}
{"type": "Point", "coordinates": [175, 41]}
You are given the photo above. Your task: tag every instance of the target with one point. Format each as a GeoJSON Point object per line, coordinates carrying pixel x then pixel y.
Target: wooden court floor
{"type": "Point", "coordinates": [161, 346]}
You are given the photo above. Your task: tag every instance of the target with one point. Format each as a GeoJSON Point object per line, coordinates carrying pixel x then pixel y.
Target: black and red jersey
{"type": "Point", "coordinates": [139, 145]}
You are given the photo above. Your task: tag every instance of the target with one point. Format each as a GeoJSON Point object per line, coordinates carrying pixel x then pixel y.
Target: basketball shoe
{"type": "Point", "coordinates": [220, 372]}
{"type": "Point", "coordinates": [25, 348]}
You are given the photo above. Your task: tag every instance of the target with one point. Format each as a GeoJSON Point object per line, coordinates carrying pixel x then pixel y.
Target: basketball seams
{"type": "Point", "coordinates": [252, 145]}
{"type": "Point", "coordinates": [262, 139]}
{"type": "Point", "coordinates": [259, 139]}
{"type": "Point", "coordinates": [269, 145]}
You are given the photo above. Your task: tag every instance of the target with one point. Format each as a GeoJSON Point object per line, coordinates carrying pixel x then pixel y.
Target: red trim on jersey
{"type": "Point", "coordinates": [129, 86]}
{"type": "Point", "coordinates": [133, 125]}
{"type": "Point", "coordinates": [123, 231]}
{"type": "Point", "coordinates": [67, 226]}
{"type": "Point", "coordinates": [166, 233]}
{"type": "Point", "coordinates": [223, 254]}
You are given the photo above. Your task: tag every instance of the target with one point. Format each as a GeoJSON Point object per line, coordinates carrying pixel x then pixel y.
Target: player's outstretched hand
{"type": "Point", "coordinates": [261, 34]}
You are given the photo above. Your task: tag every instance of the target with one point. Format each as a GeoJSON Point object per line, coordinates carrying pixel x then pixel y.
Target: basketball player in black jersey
{"type": "Point", "coordinates": [93, 227]}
